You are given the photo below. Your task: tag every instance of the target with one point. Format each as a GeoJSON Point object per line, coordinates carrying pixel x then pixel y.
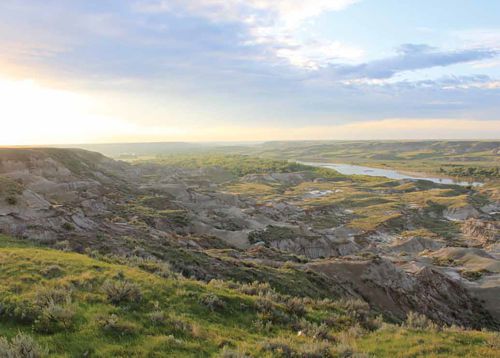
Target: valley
{"type": "Point", "coordinates": [224, 253]}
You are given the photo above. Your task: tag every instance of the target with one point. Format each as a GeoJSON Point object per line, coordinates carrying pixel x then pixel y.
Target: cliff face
{"type": "Point", "coordinates": [483, 233]}
{"type": "Point", "coordinates": [396, 292]}
{"type": "Point", "coordinates": [51, 193]}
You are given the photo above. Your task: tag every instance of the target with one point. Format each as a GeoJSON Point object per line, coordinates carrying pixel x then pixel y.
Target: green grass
{"type": "Point", "coordinates": [188, 327]}
{"type": "Point", "coordinates": [412, 343]}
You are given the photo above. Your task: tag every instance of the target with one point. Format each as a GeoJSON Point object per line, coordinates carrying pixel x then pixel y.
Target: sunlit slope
{"type": "Point", "coordinates": [74, 305]}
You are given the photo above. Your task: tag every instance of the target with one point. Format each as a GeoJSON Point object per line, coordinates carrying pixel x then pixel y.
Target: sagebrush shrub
{"type": "Point", "coordinates": [21, 346]}
{"type": "Point", "coordinates": [47, 295]}
{"type": "Point", "coordinates": [419, 322]}
{"type": "Point", "coordinates": [295, 306]}
{"type": "Point", "coordinates": [318, 332]}
{"type": "Point", "coordinates": [228, 352]}
{"type": "Point", "coordinates": [120, 291]}
{"type": "Point", "coordinates": [213, 302]}
{"type": "Point", "coordinates": [114, 325]}
{"type": "Point", "coordinates": [256, 288]}
{"type": "Point", "coordinates": [55, 317]}
{"type": "Point", "coordinates": [158, 317]}
{"type": "Point", "coordinates": [52, 271]}
{"type": "Point", "coordinates": [19, 309]}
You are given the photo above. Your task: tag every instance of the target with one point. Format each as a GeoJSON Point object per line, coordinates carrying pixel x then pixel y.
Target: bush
{"type": "Point", "coordinates": [21, 346]}
{"type": "Point", "coordinates": [279, 348]}
{"type": "Point", "coordinates": [473, 275]}
{"type": "Point", "coordinates": [120, 291]}
{"type": "Point", "coordinates": [256, 288]}
{"type": "Point", "coordinates": [313, 330]}
{"type": "Point", "coordinates": [52, 295]}
{"type": "Point", "coordinates": [114, 325]}
{"type": "Point", "coordinates": [52, 271]}
{"type": "Point", "coordinates": [68, 226]}
{"type": "Point", "coordinates": [283, 347]}
{"type": "Point", "coordinates": [269, 311]}
{"type": "Point", "coordinates": [54, 318]}
{"type": "Point", "coordinates": [419, 322]}
{"type": "Point", "coordinates": [11, 200]}
{"type": "Point", "coordinates": [158, 318]}
{"type": "Point", "coordinates": [18, 309]}
{"type": "Point", "coordinates": [213, 302]}
{"type": "Point", "coordinates": [295, 306]}
{"type": "Point", "coordinates": [232, 353]}
{"type": "Point", "coordinates": [55, 312]}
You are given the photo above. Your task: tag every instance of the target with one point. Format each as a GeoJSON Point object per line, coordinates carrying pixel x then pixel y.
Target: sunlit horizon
{"type": "Point", "coordinates": [261, 71]}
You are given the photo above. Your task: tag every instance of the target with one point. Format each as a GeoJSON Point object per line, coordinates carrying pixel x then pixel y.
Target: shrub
{"type": "Point", "coordinates": [68, 226]}
{"type": "Point", "coordinates": [158, 318]}
{"type": "Point", "coordinates": [473, 275]}
{"type": "Point", "coordinates": [120, 291]}
{"type": "Point", "coordinates": [444, 261]}
{"type": "Point", "coordinates": [315, 350]}
{"type": "Point", "coordinates": [55, 312]}
{"type": "Point", "coordinates": [63, 245]}
{"type": "Point", "coordinates": [18, 309]}
{"type": "Point", "coordinates": [264, 304]}
{"type": "Point", "coordinates": [256, 288]}
{"type": "Point", "coordinates": [279, 347]}
{"type": "Point", "coordinates": [155, 266]}
{"type": "Point", "coordinates": [4, 348]}
{"type": "Point", "coordinates": [344, 350]}
{"type": "Point", "coordinates": [52, 271]}
{"type": "Point", "coordinates": [21, 346]}
{"type": "Point", "coordinates": [227, 352]}
{"type": "Point", "coordinates": [419, 322]}
{"type": "Point", "coordinates": [213, 302]}
{"type": "Point", "coordinates": [268, 311]}
{"type": "Point", "coordinates": [11, 200]}
{"type": "Point", "coordinates": [295, 306]}
{"type": "Point", "coordinates": [262, 325]}
{"type": "Point", "coordinates": [114, 325]}
{"type": "Point", "coordinates": [494, 341]}
{"type": "Point", "coordinates": [180, 325]}
{"type": "Point", "coordinates": [52, 295]}
{"type": "Point", "coordinates": [319, 332]}
{"type": "Point", "coordinates": [55, 317]}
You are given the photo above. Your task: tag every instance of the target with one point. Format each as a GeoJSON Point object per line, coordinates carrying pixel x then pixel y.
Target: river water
{"type": "Point", "coordinates": [349, 169]}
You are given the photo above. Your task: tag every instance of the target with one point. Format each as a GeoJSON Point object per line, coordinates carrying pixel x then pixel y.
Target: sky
{"type": "Point", "coordinates": [97, 71]}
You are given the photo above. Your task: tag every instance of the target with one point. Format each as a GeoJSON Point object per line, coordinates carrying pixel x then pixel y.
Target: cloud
{"type": "Point", "coordinates": [444, 82]}
{"type": "Point", "coordinates": [276, 25]}
{"type": "Point", "coordinates": [289, 12]}
{"type": "Point", "coordinates": [410, 57]}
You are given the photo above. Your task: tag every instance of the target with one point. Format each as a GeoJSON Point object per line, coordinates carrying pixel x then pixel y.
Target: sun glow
{"type": "Point", "coordinates": [32, 114]}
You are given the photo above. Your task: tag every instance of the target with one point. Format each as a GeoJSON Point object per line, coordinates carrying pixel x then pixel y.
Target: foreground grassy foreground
{"type": "Point", "coordinates": [63, 304]}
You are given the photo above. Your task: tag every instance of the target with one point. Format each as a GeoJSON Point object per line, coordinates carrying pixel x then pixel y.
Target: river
{"type": "Point", "coordinates": [349, 169]}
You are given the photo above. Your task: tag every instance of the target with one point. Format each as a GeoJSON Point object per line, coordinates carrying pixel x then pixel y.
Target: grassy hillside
{"type": "Point", "coordinates": [73, 305]}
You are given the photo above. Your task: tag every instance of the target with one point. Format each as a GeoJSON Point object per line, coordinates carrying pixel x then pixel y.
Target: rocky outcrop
{"type": "Point", "coordinates": [396, 292]}
{"type": "Point", "coordinates": [461, 213]}
{"type": "Point", "coordinates": [415, 245]}
{"type": "Point", "coordinates": [481, 232]}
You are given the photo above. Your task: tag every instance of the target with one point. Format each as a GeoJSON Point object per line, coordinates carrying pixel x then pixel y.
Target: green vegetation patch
{"type": "Point", "coordinates": [238, 165]}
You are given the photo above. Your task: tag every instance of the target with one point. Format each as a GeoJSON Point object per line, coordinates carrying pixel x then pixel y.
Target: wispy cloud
{"type": "Point", "coordinates": [410, 57]}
